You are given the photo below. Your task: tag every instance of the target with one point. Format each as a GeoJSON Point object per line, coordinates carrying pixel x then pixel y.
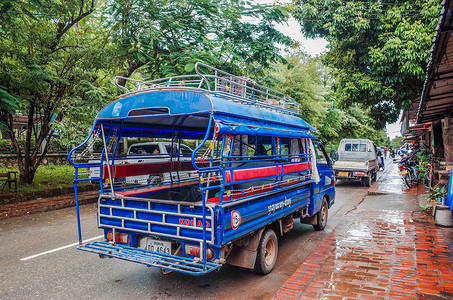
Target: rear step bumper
{"type": "Point", "coordinates": [150, 258]}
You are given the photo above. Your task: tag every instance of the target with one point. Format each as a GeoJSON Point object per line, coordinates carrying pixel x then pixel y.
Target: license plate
{"type": "Point", "coordinates": [343, 174]}
{"type": "Point", "coordinates": [404, 172]}
{"type": "Point", "coordinates": [158, 246]}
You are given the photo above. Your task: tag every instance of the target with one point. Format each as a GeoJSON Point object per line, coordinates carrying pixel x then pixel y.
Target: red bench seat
{"type": "Point", "coordinates": [255, 173]}
{"type": "Point", "coordinates": [131, 193]}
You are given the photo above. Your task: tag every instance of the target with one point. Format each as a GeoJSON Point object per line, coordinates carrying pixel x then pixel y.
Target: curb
{"type": "Point", "coordinates": [43, 205]}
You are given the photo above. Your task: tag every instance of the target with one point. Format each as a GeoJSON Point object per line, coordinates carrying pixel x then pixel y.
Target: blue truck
{"type": "Point", "coordinates": [255, 168]}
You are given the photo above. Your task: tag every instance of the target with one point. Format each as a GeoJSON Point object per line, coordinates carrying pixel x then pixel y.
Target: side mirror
{"type": "Point", "coordinates": [334, 155]}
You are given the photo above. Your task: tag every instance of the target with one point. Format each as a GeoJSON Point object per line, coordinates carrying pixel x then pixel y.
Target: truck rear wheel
{"type": "Point", "coordinates": [374, 177]}
{"type": "Point", "coordinates": [267, 252]}
{"type": "Point", "coordinates": [366, 181]}
{"type": "Point", "coordinates": [321, 216]}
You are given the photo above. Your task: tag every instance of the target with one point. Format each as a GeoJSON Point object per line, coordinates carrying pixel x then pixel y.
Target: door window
{"type": "Point", "coordinates": [186, 151]}
{"type": "Point", "coordinates": [144, 149]}
{"type": "Point", "coordinates": [320, 154]}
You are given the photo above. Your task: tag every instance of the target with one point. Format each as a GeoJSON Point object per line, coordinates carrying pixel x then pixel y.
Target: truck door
{"type": "Point", "coordinates": [325, 170]}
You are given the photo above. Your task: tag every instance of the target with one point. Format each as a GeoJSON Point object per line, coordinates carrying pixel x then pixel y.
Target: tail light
{"type": "Point", "coordinates": [122, 238]}
{"type": "Point", "coordinates": [401, 168]}
{"type": "Point", "coordinates": [195, 251]}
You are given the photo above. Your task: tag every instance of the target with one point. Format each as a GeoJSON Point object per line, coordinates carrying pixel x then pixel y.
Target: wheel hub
{"type": "Point", "coordinates": [269, 253]}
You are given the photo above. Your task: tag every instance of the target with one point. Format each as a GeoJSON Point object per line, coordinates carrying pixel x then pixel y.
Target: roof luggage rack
{"type": "Point", "coordinates": [221, 84]}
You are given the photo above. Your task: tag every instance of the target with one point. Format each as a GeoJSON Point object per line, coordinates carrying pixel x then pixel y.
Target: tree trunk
{"type": "Point", "coordinates": [27, 174]}
{"type": "Point", "coordinates": [132, 67]}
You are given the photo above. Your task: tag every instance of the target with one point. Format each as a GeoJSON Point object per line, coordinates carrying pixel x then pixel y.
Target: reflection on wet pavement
{"type": "Point", "coordinates": [377, 254]}
{"type": "Point", "coordinates": [392, 183]}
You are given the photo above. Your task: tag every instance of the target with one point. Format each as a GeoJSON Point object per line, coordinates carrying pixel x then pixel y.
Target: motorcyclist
{"type": "Point", "coordinates": [380, 159]}
{"type": "Point", "coordinates": [392, 152]}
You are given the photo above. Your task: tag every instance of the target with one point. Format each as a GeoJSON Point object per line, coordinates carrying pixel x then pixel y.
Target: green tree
{"type": "Point", "coordinates": [48, 51]}
{"type": "Point", "coordinates": [8, 105]}
{"type": "Point", "coordinates": [378, 51]}
{"type": "Point", "coordinates": [301, 78]}
{"type": "Point", "coordinates": [166, 38]}
{"type": "Point", "coordinates": [306, 80]}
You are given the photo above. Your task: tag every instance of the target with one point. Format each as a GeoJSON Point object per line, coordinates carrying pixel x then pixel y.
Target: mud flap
{"type": "Point", "coordinates": [309, 220]}
{"type": "Point", "coordinates": [245, 256]}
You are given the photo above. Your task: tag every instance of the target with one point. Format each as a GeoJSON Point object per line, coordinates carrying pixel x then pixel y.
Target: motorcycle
{"type": "Point", "coordinates": [408, 171]}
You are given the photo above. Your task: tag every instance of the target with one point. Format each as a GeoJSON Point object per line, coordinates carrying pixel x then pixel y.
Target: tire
{"type": "Point", "coordinates": [414, 178]}
{"type": "Point", "coordinates": [407, 180]}
{"type": "Point", "coordinates": [366, 181]}
{"type": "Point", "coordinates": [266, 255]}
{"type": "Point", "coordinates": [322, 216]}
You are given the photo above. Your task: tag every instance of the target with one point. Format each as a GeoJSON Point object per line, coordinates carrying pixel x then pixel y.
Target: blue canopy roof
{"type": "Point", "coordinates": [190, 108]}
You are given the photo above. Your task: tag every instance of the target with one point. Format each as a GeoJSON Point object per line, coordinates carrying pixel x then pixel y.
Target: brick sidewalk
{"type": "Point", "coordinates": [379, 254]}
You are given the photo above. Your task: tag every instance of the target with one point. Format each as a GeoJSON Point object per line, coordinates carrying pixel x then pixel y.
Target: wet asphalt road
{"type": "Point", "coordinates": [70, 274]}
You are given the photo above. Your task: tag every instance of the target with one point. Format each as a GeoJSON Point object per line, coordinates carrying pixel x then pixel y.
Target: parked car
{"type": "Point", "coordinates": [357, 160]}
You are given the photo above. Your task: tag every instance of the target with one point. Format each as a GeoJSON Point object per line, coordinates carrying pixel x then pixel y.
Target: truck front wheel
{"type": "Point", "coordinates": [267, 252]}
{"type": "Point", "coordinates": [321, 216]}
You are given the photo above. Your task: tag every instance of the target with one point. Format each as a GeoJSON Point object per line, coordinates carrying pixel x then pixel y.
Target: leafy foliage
{"type": "Point", "coordinates": [396, 142]}
{"type": "Point", "coordinates": [58, 57]}
{"type": "Point", "coordinates": [438, 192]}
{"type": "Point", "coordinates": [8, 104]}
{"type": "Point", "coordinates": [424, 159]}
{"type": "Point", "coordinates": [378, 51]}
{"type": "Point", "coordinates": [306, 80]}
{"type": "Point", "coordinates": [168, 37]}
{"type": "Point", "coordinates": [47, 48]}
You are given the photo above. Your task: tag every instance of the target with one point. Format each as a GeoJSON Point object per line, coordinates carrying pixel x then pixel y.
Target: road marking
{"type": "Point", "coordinates": [61, 248]}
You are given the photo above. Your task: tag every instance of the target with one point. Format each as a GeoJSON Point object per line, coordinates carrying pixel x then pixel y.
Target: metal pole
{"type": "Point", "coordinates": [107, 160]}
{"type": "Point", "coordinates": [76, 196]}
{"type": "Point", "coordinates": [211, 117]}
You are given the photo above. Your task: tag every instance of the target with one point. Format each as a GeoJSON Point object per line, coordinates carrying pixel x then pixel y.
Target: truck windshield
{"type": "Point", "coordinates": [355, 147]}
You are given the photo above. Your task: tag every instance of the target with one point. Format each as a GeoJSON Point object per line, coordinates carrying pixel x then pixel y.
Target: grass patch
{"type": "Point", "coordinates": [46, 177]}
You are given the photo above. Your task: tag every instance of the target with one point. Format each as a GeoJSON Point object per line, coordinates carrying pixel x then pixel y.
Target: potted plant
{"type": "Point", "coordinates": [438, 192]}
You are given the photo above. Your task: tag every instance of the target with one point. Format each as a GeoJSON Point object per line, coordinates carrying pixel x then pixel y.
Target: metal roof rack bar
{"type": "Point", "coordinates": [221, 84]}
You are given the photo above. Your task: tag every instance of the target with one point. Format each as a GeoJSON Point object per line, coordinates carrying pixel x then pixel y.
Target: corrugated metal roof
{"type": "Point", "coordinates": [437, 96]}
